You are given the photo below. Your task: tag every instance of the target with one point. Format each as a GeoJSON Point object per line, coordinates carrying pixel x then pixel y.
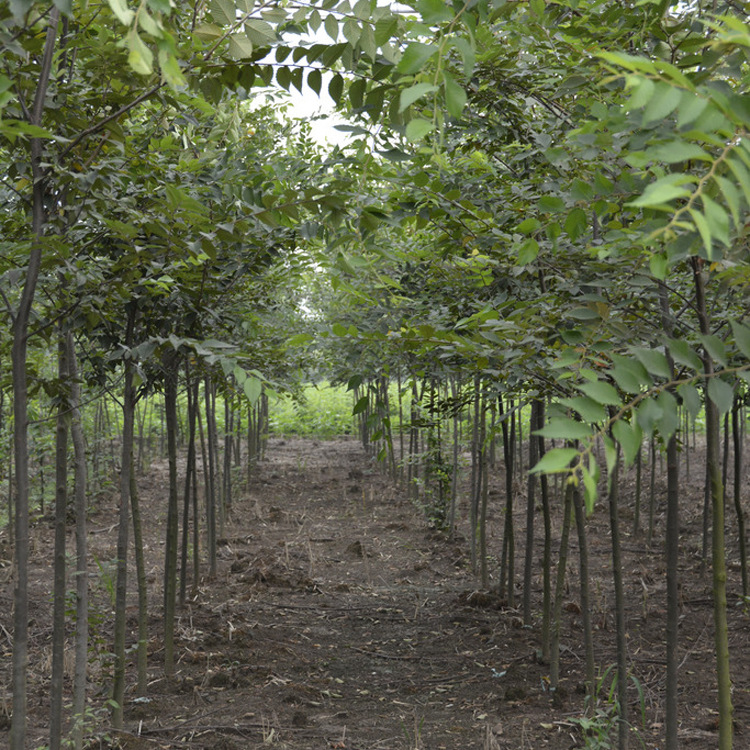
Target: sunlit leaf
{"type": "Point", "coordinates": [555, 461]}
{"type": "Point", "coordinates": [721, 393]}
{"type": "Point", "coordinates": [601, 392]}
{"type": "Point", "coordinates": [629, 435]}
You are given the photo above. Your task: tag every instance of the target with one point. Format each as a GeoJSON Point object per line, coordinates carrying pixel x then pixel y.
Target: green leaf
{"type": "Point", "coordinates": [331, 25]}
{"type": "Point", "coordinates": [731, 196]}
{"type": "Point", "coordinates": [555, 461]}
{"type": "Point", "coordinates": [336, 88]}
{"type": "Point", "coordinates": [658, 264]}
{"type": "Point", "coordinates": [253, 387]}
{"type": "Point", "coordinates": [140, 59]}
{"type": "Point", "coordinates": [527, 252]}
{"type": "Point", "coordinates": [467, 52]}
{"type": "Point", "coordinates": [690, 109]}
{"type": "Point", "coordinates": [601, 392]}
{"type": "Point", "coordinates": [665, 100]}
{"type": "Point", "coordinates": [715, 347]}
{"type": "Point", "coordinates": [665, 189]}
{"type": "Point", "coordinates": [415, 57]}
{"type": "Point", "coordinates": [434, 11]}
{"type": "Point", "coordinates": [223, 12]}
{"type": "Point", "coordinates": [610, 452]}
{"type": "Point", "coordinates": [684, 355]}
{"type": "Point", "coordinates": [260, 32]}
{"type": "Point", "coordinates": [208, 31]}
{"type": "Point", "coordinates": [741, 337]}
{"type": "Point", "coordinates": [170, 69]}
{"type": "Point", "coordinates": [648, 414]}
{"type": "Point", "coordinates": [362, 10]}
{"type": "Point", "coordinates": [654, 361]}
{"type": "Point", "coordinates": [411, 95]}
{"type": "Point", "coordinates": [528, 225]}
{"type": "Point", "coordinates": [669, 421]}
{"type": "Point", "coordinates": [361, 405]}
{"type": "Point", "coordinates": [121, 10]}
{"type": "Point", "coordinates": [565, 429]}
{"type": "Point", "coordinates": [691, 399]}
{"type": "Point", "coordinates": [717, 219]}
{"type": "Point", "coordinates": [590, 410]}
{"type": "Point", "coordinates": [676, 151]}
{"type": "Point", "coordinates": [418, 128]}
{"type": "Point", "coordinates": [590, 490]}
{"type": "Point", "coordinates": [742, 175]}
{"type": "Point", "coordinates": [551, 204]}
{"type": "Point", "coordinates": [629, 374]}
{"type": "Point", "coordinates": [576, 223]}
{"type": "Point", "coordinates": [455, 96]}
{"type": "Point", "coordinates": [705, 232]}
{"type": "Point", "coordinates": [240, 47]}
{"type": "Point", "coordinates": [299, 339]}
{"type": "Point", "coordinates": [629, 435]}
{"type": "Point", "coordinates": [315, 80]}
{"type": "Point", "coordinates": [643, 89]}
{"type": "Point", "coordinates": [721, 393]}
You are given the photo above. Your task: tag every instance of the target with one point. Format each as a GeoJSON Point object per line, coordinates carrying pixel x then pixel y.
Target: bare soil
{"type": "Point", "coordinates": [340, 619]}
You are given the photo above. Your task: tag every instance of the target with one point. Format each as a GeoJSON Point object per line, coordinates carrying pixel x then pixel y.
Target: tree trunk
{"type": "Point", "coordinates": [583, 567]}
{"type": "Point", "coordinates": [554, 668]}
{"type": "Point", "coordinates": [20, 328]}
{"type": "Point", "coordinates": [738, 466]}
{"type": "Point", "coordinates": [82, 582]}
{"type": "Point", "coordinates": [718, 552]}
{"type": "Point", "coordinates": [121, 587]}
{"type": "Point", "coordinates": [530, 512]}
{"type": "Point", "coordinates": [210, 482]}
{"type": "Point", "coordinates": [140, 574]}
{"type": "Point", "coordinates": [58, 595]}
{"type": "Point", "coordinates": [507, 559]}
{"type": "Point", "coordinates": [623, 729]}
{"type": "Point", "coordinates": [190, 469]}
{"type": "Point", "coordinates": [672, 547]}
{"type": "Point", "coordinates": [170, 547]}
{"type": "Point", "coordinates": [547, 554]}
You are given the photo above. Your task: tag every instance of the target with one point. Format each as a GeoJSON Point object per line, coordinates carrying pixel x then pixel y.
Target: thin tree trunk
{"type": "Point", "coordinates": [623, 729]}
{"type": "Point", "coordinates": [554, 667]}
{"type": "Point", "coordinates": [651, 490]}
{"type": "Point", "coordinates": [20, 329]}
{"type": "Point", "coordinates": [475, 475]}
{"type": "Point", "coordinates": [672, 546]}
{"type": "Point", "coordinates": [738, 466]}
{"type": "Point", "coordinates": [211, 483]}
{"type": "Point", "coordinates": [530, 511]}
{"type": "Point", "coordinates": [547, 553]}
{"type": "Point", "coordinates": [140, 574]}
{"type": "Point", "coordinates": [121, 587]}
{"type": "Point", "coordinates": [638, 492]}
{"type": "Point", "coordinates": [170, 548]}
{"type": "Point", "coordinates": [189, 482]}
{"type": "Point", "coordinates": [583, 562]}
{"type": "Point", "coordinates": [507, 560]}
{"type": "Point", "coordinates": [718, 552]}
{"type": "Point", "coordinates": [82, 584]}
{"type": "Point", "coordinates": [58, 596]}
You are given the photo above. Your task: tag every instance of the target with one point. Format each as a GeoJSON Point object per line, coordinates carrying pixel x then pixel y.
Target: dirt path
{"type": "Point", "coordinates": [339, 619]}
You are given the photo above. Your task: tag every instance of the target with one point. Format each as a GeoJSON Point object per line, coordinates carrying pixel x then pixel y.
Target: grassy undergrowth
{"type": "Point", "coordinates": [323, 411]}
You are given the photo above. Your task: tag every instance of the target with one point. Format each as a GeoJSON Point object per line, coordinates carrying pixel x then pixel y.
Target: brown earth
{"type": "Point", "coordinates": [340, 619]}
